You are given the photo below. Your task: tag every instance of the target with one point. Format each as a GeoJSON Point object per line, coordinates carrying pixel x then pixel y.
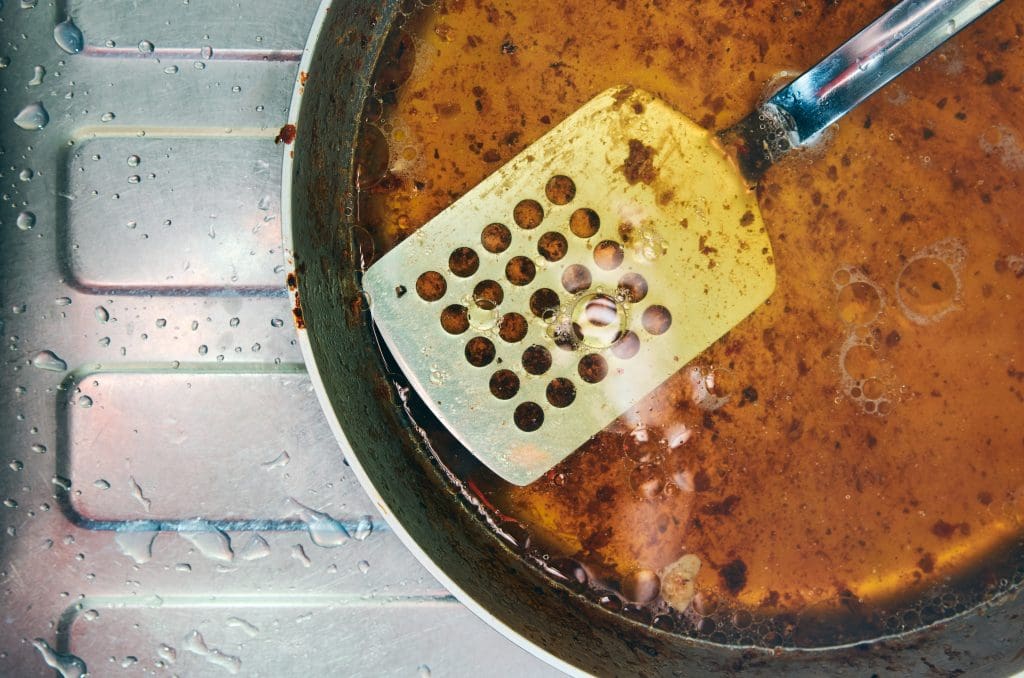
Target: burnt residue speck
{"type": "Point", "coordinates": [994, 76]}
{"type": "Point", "coordinates": [944, 530]}
{"type": "Point", "coordinates": [721, 508]}
{"type": "Point", "coordinates": [286, 135]}
{"type": "Point", "coordinates": [300, 321]}
{"type": "Point", "coordinates": [734, 576]}
{"type": "Point", "coordinates": [639, 165]}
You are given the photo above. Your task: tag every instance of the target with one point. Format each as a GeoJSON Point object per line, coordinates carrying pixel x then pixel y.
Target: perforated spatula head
{"type": "Point", "coordinates": [567, 286]}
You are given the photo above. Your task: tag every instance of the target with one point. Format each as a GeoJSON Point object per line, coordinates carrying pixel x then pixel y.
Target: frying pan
{"type": "Point", "coordinates": [414, 493]}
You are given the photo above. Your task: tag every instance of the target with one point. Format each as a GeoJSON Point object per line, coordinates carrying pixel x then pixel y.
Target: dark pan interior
{"type": "Point", "coordinates": [988, 639]}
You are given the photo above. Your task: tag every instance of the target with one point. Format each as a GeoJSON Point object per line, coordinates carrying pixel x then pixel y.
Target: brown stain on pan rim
{"type": "Point", "coordinates": [286, 135]}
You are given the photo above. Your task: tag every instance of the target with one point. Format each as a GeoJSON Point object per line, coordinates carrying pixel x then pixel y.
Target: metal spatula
{"type": "Point", "coordinates": [567, 286]}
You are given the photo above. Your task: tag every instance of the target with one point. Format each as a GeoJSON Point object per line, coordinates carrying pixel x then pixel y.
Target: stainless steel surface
{"type": "Point", "coordinates": [866, 62]}
{"type": "Point", "coordinates": [173, 499]}
{"type": "Point", "coordinates": [626, 346]}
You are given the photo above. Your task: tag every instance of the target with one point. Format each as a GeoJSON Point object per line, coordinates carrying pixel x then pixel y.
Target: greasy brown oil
{"type": "Point", "coordinates": [860, 468]}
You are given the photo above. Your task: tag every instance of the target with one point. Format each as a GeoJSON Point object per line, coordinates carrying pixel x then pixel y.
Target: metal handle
{"type": "Point", "coordinates": [853, 72]}
{"type": "Point", "coordinates": [891, 44]}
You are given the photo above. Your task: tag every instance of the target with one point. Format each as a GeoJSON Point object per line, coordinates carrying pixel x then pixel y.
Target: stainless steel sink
{"type": "Point", "coordinates": [173, 501]}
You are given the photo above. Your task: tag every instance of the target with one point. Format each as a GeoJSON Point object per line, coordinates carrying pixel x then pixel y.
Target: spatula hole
{"type": "Point", "coordinates": [479, 352]}
{"type": "Point", "coordinates": [496, 238]}
{"type": "Point", "coordinates": [627, 346]}
{"type": "Point", "coordinates": [593, 368]}
{"type": "Point", "coordinates": [520, 270]}
{"type": "Point", "coordinates": [561, 392]}
{"type": "Point", "coordinates": [504, 384]}
{"type": "Point", "coordinates": [608, 255]}
{"type": "Point", "coordinates": [431, 286]}
{"type": "Point", "coordinates": [528, 214]}
{"type": "Point", "coordinates": [455, 319]}
{"type": "Point", "coordinates": [543, 302]}
{"type": "Point", "coordinates": [560, 190]}
{"type": "Point", "coordinates": [488, 294]}
{"type": "Point", "coordinates": [512, 327]}
{"type": "Point", "coordinates": [464, 262]}
{"type": "Point", "coordinates": [528, 417]}
{"type": "Point", "coordinates": [536, 360]}
{"type": "Point", "coordinates": [584, 223]}
{"type": "Point", "coordinates": [656, 319]}
{"type": "Point", "coordinates": [552, 246]}
{"type": "Point", "coordinates": [633, 287]}
{"type": "Point", "coordinates": [576, 278]}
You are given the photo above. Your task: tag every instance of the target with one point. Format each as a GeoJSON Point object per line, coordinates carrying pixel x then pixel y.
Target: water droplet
{"type": "Point", "coordinates": [85, 402]}
{"type": "Point", "coordinates": [26, 174]}
{"type": "Point", "coordinates": [68, 37]}
{"type": "Point", "coordinates": [101, 484]}
{"type": "Point", "coordinates": [278, 461]}
{"type": "Point", "coordinates": [234, 322]}
{"type": "Point", "coordinates": [61, 482]}
{"type": "Point", "coordinates": [276, 322]}
{"type": "Point", "coordinates": [167, 653]}
{"type": "Point", "coordinates": [238, 623]}
{"type": "Point", "coordinates": [204, 349]}
{"type": "Point", "coordinates": [323, 530]}
{"type": "Point", "coordinates": [146, 47]}
{"type": "Point", "coordinates": [32, 117]}
{"type": "Point", "coordinates": [134, 160]}
{"type": "Point", "coordinates": [171, 70]}
{"type": "Point", "coordinates": [39, 448]}
{"type": "Point", "coordinates": [256, 549]}
{"type": "Point", "coordinates": [62, 301]}
{"type": "Point", "coordinates": [107, 117]}
{"type": "Point", "coordinates": [364, 566]}
{"type": "Point", "coordinates": [195, 644]}
{"type": "Point", "coordinates": [68, 665]}
{"type": "Point", "coordinates": [423, 671]}
{"type": "Point", "coordinates": [38, 73]}
{"type": "Point", "coordinates": [236, 89]}
{"type": "Point", "coordinates": [199, 65]}
{"type": "Point", "coordinates": [264, 203]}
{"type": "Point", "coordinates": [136, 545]}
{"type": "Point", "coordinates": [16, 465]}
{"type": "Point", "coordinates": [299, 554]}
{"type": "Point", "coordinates": [134, 179]}
{"type": "Point", "coordinates": [49, 361]}
{"type": "Point", "coordinates": [364, 528]}
{"type": "Point", "coordinates": [26, 221]}
{"type": "Point", "coordinates": [206, 51]}
{"type": "Point", "coordinates": [10, 503]}
{"type": "Point", "coordinates": [161, 322]}
{"type": "Point", "coordinates": [210, 542]}
{"type": "Point", "coordinates": [138, 494]}
{"type": "Point", "coordinates": [5, 61]}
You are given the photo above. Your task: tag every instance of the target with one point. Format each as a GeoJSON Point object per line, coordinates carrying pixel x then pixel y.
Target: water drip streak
{"type": "Point", "coordinates": [192, 54]}
{"type": "Point", "coordinates": [201, 525]}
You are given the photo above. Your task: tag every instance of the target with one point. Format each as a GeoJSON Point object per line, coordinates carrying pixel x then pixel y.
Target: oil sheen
{"type": "Point", "coordinates": [847, 462]}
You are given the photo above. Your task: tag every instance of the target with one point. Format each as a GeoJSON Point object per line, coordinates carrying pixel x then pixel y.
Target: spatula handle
{"type": "Point", "coordinates": [898, 39]}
